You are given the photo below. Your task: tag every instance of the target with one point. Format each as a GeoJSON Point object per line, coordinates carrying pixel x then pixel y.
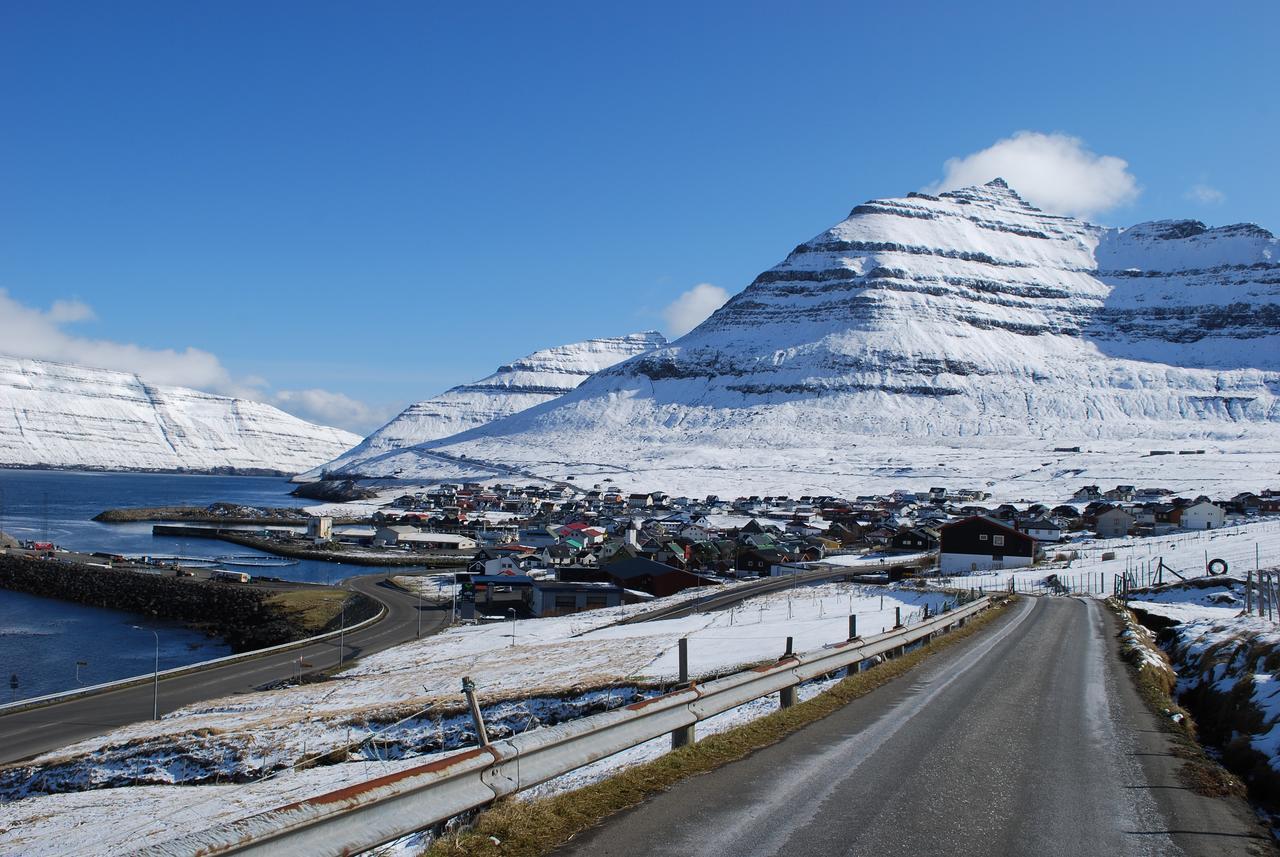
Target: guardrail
{"type": "Point", "coordinates": [200, 666]}
{"type": "Point", "coordinates": [372, 813]}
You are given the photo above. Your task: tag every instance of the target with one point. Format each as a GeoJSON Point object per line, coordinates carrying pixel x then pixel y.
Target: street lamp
{"type": "Point", "coordinates": [342, 633]}
{"type": "Point", "coordinates": [155, 685]}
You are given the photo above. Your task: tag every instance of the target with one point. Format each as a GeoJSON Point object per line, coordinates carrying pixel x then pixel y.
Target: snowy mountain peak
{"type": "Point", "coordinates": [516, 386]}
{"type": "Point", "coordinates": [60, 415]}
{"type": "Point", "coordinates": [969, 318]}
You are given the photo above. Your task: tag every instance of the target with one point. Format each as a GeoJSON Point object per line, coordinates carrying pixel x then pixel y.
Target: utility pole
{"type": "Point", "coordinates": [155, 684]}
{"type": "Point", "coordinates": [342, 633]}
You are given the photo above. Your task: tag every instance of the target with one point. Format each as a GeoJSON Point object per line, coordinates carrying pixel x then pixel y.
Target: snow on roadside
{"type": "Point", "coordinates": [1226, 666]}
{"type": "Point", "coordinates": [246, 736]}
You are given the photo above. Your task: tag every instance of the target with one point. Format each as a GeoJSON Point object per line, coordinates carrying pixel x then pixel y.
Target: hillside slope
{"type": "Point", "coordinates": [520, 385]}
{"type": "Point", "coordinates": [63, 416]}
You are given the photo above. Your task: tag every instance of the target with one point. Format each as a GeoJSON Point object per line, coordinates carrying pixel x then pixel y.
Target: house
{"type": "Point", "coordinates": [759, 560]}
{"type": "Point", "coordinates": [1114, 523]}
{"type": "Point", "coordinates": [1042, 529]}
{"type": "Point", "coordinates": [652, 577]}
{"type": "Point", "coordinates": [561, 598]}
{"type": "Point", "coordinates": [914, 540]}
{"type": "Point", "coordinates": [1203, 516]}
{"type": "Point", "coordinates": [494, 594]}
{"type": "Point", "coordinates": [981, 543]}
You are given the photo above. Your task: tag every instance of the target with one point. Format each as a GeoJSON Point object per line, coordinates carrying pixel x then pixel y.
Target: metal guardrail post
{"type": "Point", "coordinates": [469, 689]}
{"type": "Point", "coordinates": [853, 626]}
{"type": "Point", "coordinates": [897, 617]}
{"type": "Point", "coordinates": [787, 696]}
{"type": "Point", "coordinates": [683, 736]}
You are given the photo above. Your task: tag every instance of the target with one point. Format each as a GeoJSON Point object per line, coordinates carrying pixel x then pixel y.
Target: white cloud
{"type": "Point", "coordinates": [1205, 194]}
{"type": "Point", "coordinates": [331, 409]}
{"type": "Point", "coordinates": [42, 335]}
{"type": "Point", "coordinates": [692, 308]}
{"type": "Point", "coordinates": [1055, 172]}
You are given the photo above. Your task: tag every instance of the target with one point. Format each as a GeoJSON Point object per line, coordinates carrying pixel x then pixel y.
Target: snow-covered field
{"type": "Point", "coordinates": [1248, 546]}
{"type": "Point", "coordinates": [1010, 469]}
{"type": "Point", "coordinates": [126, 786]}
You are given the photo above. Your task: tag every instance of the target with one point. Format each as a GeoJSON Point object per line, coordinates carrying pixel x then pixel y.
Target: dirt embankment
{"type": "Point", "coordinates": [1220, 674]}
{"type": "Point", "coordinates": [245, 616]}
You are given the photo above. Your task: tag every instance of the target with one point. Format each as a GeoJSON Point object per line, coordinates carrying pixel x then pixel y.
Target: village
{"type": "Point", "coordinates": [539, 551]}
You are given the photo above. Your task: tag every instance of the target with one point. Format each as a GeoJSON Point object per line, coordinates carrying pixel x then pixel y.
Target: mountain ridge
{"type": "Point", "coordinates": [65, 416]}
{"type": "Point", "coordinates": [969, 314]}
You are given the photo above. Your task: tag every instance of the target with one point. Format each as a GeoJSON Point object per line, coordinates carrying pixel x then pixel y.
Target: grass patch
{"type": "Point", "coordinates": [310, 611]}
{"type": "Point", "coordinates": [529, 828]}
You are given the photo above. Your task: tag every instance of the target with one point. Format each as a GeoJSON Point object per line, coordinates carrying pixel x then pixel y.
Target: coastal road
{"type": "Point", "coordinates": [37, 730]}
{"type": "Point", "coordinates": [1027, 739]}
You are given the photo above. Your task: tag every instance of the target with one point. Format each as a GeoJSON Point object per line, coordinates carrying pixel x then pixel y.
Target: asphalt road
{"type": "Point", "coordinates": [1027, 739]}
{"type": "Point", "coordinates": [27, 733]}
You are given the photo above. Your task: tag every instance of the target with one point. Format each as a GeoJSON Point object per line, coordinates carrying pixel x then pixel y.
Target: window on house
{"type": "Point", "coordinates": [982, 537]}
{"type": "Point", "coordinates": [998, 541]}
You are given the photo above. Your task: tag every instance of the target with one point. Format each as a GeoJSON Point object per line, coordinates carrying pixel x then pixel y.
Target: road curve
{"type": "Point", "coordinates": [1028, 739]}
{"type": "Point", "coordinates": [27, 733]}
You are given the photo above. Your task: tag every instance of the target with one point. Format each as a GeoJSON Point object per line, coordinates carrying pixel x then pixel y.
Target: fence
{"type": "Point", "coordinates": [375, 812]}
{"type": "Point", "coordinates": [1262, 594]}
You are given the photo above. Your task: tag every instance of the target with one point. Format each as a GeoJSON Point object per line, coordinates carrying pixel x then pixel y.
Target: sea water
{"type": "Point", "coordinates": [42, 639]}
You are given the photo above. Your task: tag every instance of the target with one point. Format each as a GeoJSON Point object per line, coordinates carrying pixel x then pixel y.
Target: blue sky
{"type": "Point", "coordinates": [380, 200]}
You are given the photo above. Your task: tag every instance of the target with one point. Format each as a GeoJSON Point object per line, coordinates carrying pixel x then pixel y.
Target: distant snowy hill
{"type": "Point", "coordinates": [59, 415]}
{"type": "Point", "coordinates": [533, 380]}
{"type": "Point", "coordinates": [922, 328]}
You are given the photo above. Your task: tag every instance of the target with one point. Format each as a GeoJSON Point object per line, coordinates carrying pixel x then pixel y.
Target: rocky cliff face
{"type": "Point", "coordinates": [518, 386]}
{"type": "Point", "coordinates": [58, 415]}
{"type": "Point", "coordinates": [967, 315]}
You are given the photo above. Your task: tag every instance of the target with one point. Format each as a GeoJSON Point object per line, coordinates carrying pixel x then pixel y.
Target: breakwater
{"type": "Point", "coordinates": [245, 617]}
{"type": "Point", "coordinates": [326, 553]}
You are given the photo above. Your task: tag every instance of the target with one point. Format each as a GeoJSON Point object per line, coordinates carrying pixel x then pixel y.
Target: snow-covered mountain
{"type": "Point", "coordinates": [522, 384]}
{"type": "Point", "coordinates": [925, 324]}
{"type": "Point", "coordinates": [59, 415]}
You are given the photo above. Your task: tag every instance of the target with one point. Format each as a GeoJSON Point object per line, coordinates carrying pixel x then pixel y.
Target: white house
{"type": "Point", "coordinates": [1203, 516]}
{"type": "Point", "coordinates": [1042, 530]}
